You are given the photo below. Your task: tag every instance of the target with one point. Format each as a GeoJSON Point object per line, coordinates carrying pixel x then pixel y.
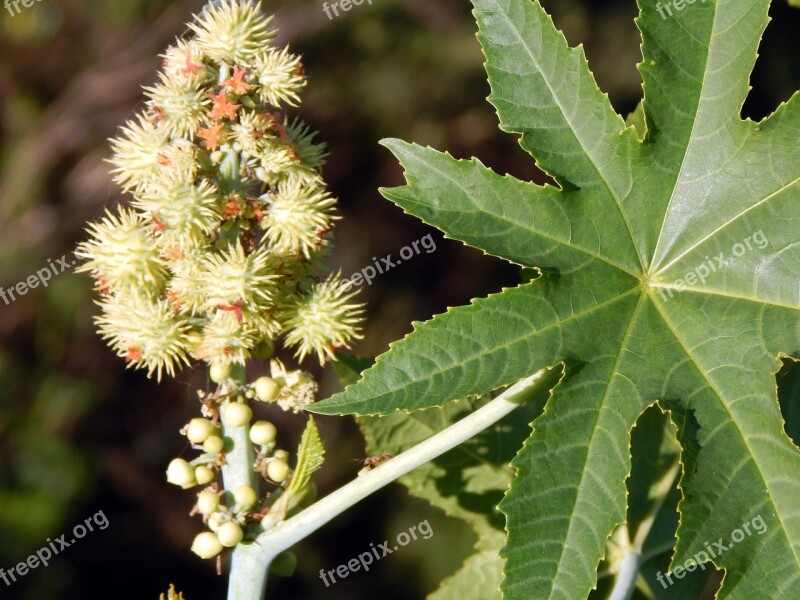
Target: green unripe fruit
{"type": "Point", "coordinates": [278, 470]}
{"type": "Point", "coordinates": [264, 350]}
{"type": "Point", "coordinates": [198, 430]}
{"type": "Point", "coordinates": [213, 445]}
{"type": "Point", "coordinates": [204, 475]}
{"type": "Point", "coordinates": [219, 372]}
{"type": "Point", "coordinates": [180, 472]}
{"type": "Point", "coordinates": [237, 414]}
{"type": "Point", "coordinates": [263, 433]}
{"type": "Point", "coordinates": [281, 455]}
{"type": "Point", "coordinates": [230, 534]}
{"type": "Point", "coordinates": [266, 389]}
{"type": "Point", "coordinates": [245, 496]}
{"type": "Point", "coordinates": [206, 545]}
{"type": "Point", "coordinates": [207, 502]}
{"type": "Point", "coordinates": [284, 564]}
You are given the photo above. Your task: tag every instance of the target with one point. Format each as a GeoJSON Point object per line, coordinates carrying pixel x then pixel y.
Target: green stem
{"type": "Point", "coordinates": [239, 456]}
{"type": "Point", "coordinates": [247, 584]}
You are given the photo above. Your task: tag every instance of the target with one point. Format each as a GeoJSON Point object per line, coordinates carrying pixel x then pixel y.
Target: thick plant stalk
{"type": "Point", "coordinates": [251, 561]}
{"type": "Point", "coordinates": [625, 583]}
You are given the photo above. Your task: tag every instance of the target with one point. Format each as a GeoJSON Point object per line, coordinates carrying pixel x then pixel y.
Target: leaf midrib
{"type": "Point", "coordinates": [556, 325]}
{"type": "Point", "coordinates": [730, 221]}
{"type": "Point", "coordinates": [584, 471]}
{"type": "Point", "coordinates": [712, 384]}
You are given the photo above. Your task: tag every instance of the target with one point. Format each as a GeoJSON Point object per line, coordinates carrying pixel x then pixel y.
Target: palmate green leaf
{"type": "Point", "coordinates": [669, 257]}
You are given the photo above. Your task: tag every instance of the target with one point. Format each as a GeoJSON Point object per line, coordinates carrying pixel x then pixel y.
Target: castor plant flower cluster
{"type": "Point", "coordinates": [219, 254]}
{"type": "Point", "coordinates": [218, 258]}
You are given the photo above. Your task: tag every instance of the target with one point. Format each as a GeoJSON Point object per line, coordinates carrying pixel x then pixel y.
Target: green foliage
{"type": "Point", "coordinates": [668, 255]}
{"type": "Point", "coordinates": [310, 456]}
{"type": "Point", "coordinates": [466, 483]}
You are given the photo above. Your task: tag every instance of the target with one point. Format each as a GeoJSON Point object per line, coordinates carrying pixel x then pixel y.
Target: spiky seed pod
{"type": "Point", "coordinates": [297, 218]}
{"type": "Point", "coordinates": [280, 76]}
{"type": "Point", "coordinates": [122, 255]}
{"type": "Point", "coordinates": [226, 340]}
{"type": "Point", "coordinates": [233, 31]}
{"type": "Point", "coordinates": [180, 207]}
{"type": "Point", "coordinates": [178, 106]}
{"type": "Point", "coordinates": [145, 332]}
{"type": "Point", "coordinates": [322, 319]}
{"type": "Point", "coordinates": [185, 62]}
{"type": "Point", "coordinates": [185, 261]}
{"type": "Point", "coordinates": [275, 160]}
{"type": "Point", "coordinates": [138, 153]}
{"type": "Point", "coordinates": [238, 282]}
{"type": "Point", "coordinates": [178, 161]}
{"type": "Point", "coordinates": [250, 132]}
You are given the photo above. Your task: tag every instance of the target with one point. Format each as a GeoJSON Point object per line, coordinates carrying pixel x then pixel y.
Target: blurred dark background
{"type": "Point", "coordinates": [80, 434]}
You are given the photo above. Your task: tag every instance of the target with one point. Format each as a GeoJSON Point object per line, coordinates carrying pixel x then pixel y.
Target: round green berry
{"type": "Point", "coordinates": [219, 372]}
{"type": "Point", "coordinates": [264, 350]}
{"type": "Point", "coordinates": [180, 472]}
{"type": "Point", "coordinates": [281, 455]}
{"type": "Point", "coordinates": [230, 534]}
{"type": "Point", "coordinates": [237, 414]}
{"type": "Point", "coordinates": [203, 475]}
{"type": "Point", "coordinates": [263, 433]}
{"type": "Point", "coordinates": [245, 496]}
{"type": "Point", "coordinates": [198, 430]}
{"type": "Point", "coordinates": [206, 545]}
{"type": "Point", "coordinates": [207, 502]}
{"type": "Point", "coordinates": [213, 445]}
{"type": "Point", "coordinates": [278, 470]}
{"type": "Point", "coordinates": [266, 389]}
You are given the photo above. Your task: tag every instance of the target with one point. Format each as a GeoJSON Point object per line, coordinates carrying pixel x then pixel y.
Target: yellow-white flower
{"type": "Point", "coordinates": [297, 388]}
{"type": "Point", "coordinates": [138, 153]}
{"type": "Point", "coordinates": [297, 217]}
{"type": "Point", "coordinates": [177, 105]}
{"type": "Point", "coordinates": [233, 31]}
{"type": "Point", "coordinates": [275, 159]}
{"type": "Point", "coordinates": [185, 261]}
{"type": "Point", "coordinates": [185, 62]}
{"type": "Point", "coordinates": [322, 319]}
{"type": "Point", "coordinates": [239, 283]}
{"type": "Point", "coordinates": [122, 254]}
{"type": "Point", "coordinates": [226, 340]}
{"type": "Point", "coordinates": [145, 332]}
{"type": "Point", "coordinates": [280, 75]}
{"type": "Point", "coordinates": [251, 132]}
{"type": "Point", "coordinates": [181, 207]}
